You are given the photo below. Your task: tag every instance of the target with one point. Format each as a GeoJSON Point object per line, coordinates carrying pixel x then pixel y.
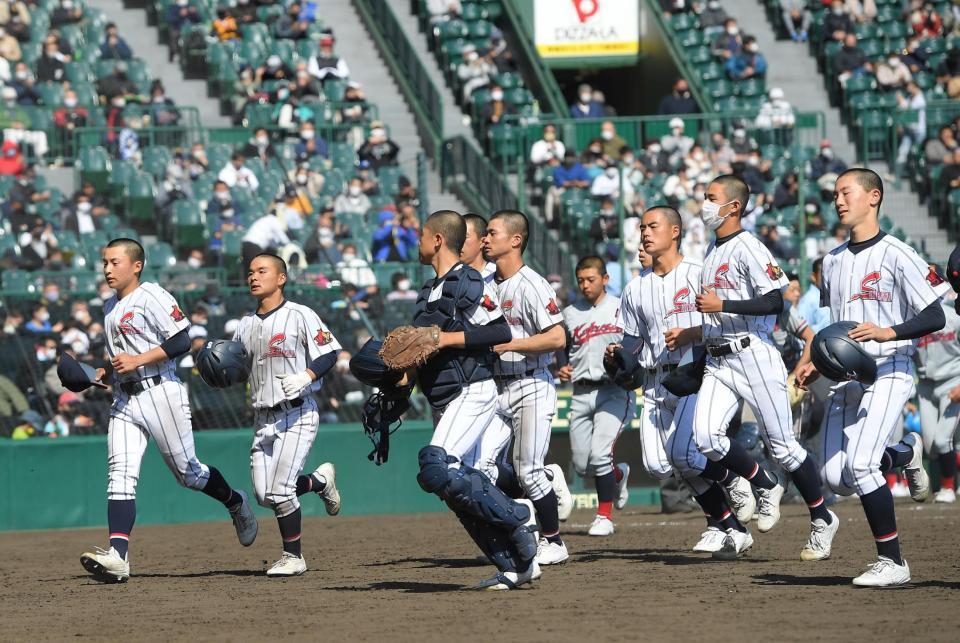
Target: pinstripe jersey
{"type": "Point", "coordinates": [528, 305]}
{"type": "Point", "coordinates": [285, 340]}
{"type": "Point", "coordinates": [653, 304]}
{"type": "Point", "coordinates": [140, 322]}
{"type": "Point", "coordinates": [489, 272]}
{"type": "Point", "coordinates": [591, 329]}
{"type": "Point", "coordinates": [883, 281]}
{"type": "Point", "coordinates": [740, 268]}
{"type": "Point", "coordinates": [938, 354]}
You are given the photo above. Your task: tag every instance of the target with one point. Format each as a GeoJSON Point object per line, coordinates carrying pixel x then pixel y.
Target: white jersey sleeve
{"type": "Point", "coordinates": [918, 283]}
{"type": "Point", "coordinates": [315, 335]}
{"type": "Point", "coordinates": [163, 313]}
{"type": "Point", "coordinates": [529, 306]}
{"type": "Point", "coordinates": [541, 308]}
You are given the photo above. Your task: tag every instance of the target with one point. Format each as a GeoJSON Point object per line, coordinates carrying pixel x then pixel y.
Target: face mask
{"type": "Point", "coordinates": [354, 190]}
{"type": "Point", "coordinates": [713, 5]}
{"type": "Point", "coordinates": [302, 179]}
{"type": "Point", "coordinates": [70, 103]}
{"type": "Point", "coordinates": [378, 132]}
{"type": "Point", "coordinates": [262, 141]}
{"type": "Point", "coordinates": [496, 96]}
{"type": "Point", "coordinates": [82, 317]}
{"type": "Point", "coordinates": [699, 195]}
{"type": "Point", "coordinates": [403, 284]}
{"type": "Point", "coordinates": [343, 365]}
{"type": "Point", "coordinates": [45, 316]}
{"type": "Point", "coordinates": [606, 135]}
{"type": "Point", "coordinates": [307, 134]}
{"type": "Point", "coordinates": [654, 149]}
{"type": "Point", "coordinates": [9, 329]}
{"type": "Point", "coordinates": [753, 160]}
{"type": "Point", "coordinates": [837, 11]}
{"type": "Point", "coordinates": [22, 75]}
{"type": "Point", "coordinates": [596, 149]}
{"type": "Point", "coordinates": [549, 137]}
{"type": "Point", "coordinates": [120, 103]}
{"type": "Point", "coordinates": [627, 160]}
{"type": "Point", "coordinates": [753, 48]}
{"type": "Point", "coordinates": [710, 213]}
{"type": "Point", "coordinates": [470, 57]}
{"type": "Point", "coordinates": [222, 196]}
{"type": "Point", "coordinates": [826, 153]}
{"type": "Point", "coordinates": [733, 31]}
{"type": "Point", "coordinates": [283, 93]}
{"type": "Point", "coordinates": [611, 172]}
{"type": "Point", "coordinates": [349, 256]}
{"type": "Point", "coordinates": [584, 99]}
{"type": "Point", "coordinates": [46, 354]}
{"type": "Point", "coordinates": [892, 62]}
{"type": "Point", "coordinates": [698, 156]}
{"type": "Point", "coordinates": [193, 262]}
{"type": "Point", "coordinates": [53, 295]}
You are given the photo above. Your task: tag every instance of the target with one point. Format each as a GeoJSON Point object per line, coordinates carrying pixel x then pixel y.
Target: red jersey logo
{"type": "Point", "coordinates": [323, 337]}
{"type": "Point", "coordinates": [125, 327]}
{"type": "Point", "coordinates": [275, 347]}
{"type": "Point", "coordinates": [176, 314]}
{"type": "Point", "coordinates": [552, 307]}
{"type": "Point", "coordinates": [586, 332]}
{"type": "Point", "coordinates": [507, 305]}
{"type": "Point", "coordinates": [720, 281]}
{"type": "Point", "coordinates": [868, 289]}
{"type": "Point", "coordinates": [774, 271]}
{"type": "Point", "coordinates": [932, 338]}
{"type": "Point", "coordinates": [680, 303]}
{"type": "Point", "coordinates": [488, 303]}
{"type": "Point", "coordinates": [934, 278]}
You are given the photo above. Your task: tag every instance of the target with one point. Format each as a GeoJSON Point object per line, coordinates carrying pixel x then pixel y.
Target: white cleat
{"type": "Point", "coordinates": [330, 494]}
{"type": "Point", "coordinates": [947, 496]}
{"type": "Point", "coordinates": [884, 573]}
{"type": "Point", "coordinates": [735, 544]}
{"type": "Point", "coordinates": [821, 538]}
{"type": "Point", "coordinates": [623, 492]}
{"type": "Point", "coordinates": [288, 565]}
{"type": "Point", "coordinates": [564, 499]}
{"type": "Point", "coordinates": [549, 553]}
{"type": "Point", "coordinates": [106, 565]}
{"type": "Point", "coordinates": [244, 521]}
{"type": "Point", "coordinates": [768, 509]}
{"type": "Point", "coordinates": [710, 541]}
{"type": "Point", "coordinates": [917, 479]}
{"type": "Point", "coordinates": [602, 526]}
{"type": "Point", "coordinates": [502, 581]}
{"type": "Point", "coordinates": [741, 499]}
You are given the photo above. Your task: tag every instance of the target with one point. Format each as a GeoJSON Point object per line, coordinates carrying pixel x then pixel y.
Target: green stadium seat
{"type": "Point", "coordinates": [699, 55]}
{"type": "Point", "coordinates": [20, 281]}
{"type": "Point", "coordinates": [479, 30]}
{"type": "Point", "coordinates": [189, 226]}
{"type": "Point", "coordinates": [683, 22]}
{"type": "Point", "coordinates": [450, 30]}
{"type": "Point", "coordinates": [141, 197]}
{"type": "Point", "coordinates": [95, 167]}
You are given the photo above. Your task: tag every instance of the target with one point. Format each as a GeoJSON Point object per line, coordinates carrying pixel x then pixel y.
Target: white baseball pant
{"type": "Point", "coordinates": [460, 426]}
{"type": "Point", "coordinates": [757, 376]}
{"type": "Point", "coordinates": [598, 414]}
{"type": "Point", "coordinates": [938, 415]}
{"type": "Point", "coordinates": [163, 413]}
{"type": "Point", "coordinates": [280, 449]}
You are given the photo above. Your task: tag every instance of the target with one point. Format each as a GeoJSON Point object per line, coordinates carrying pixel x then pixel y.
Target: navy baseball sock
{"type": "Point", "coordinates": [717, 472]}
{"type": "Point", "coordinates": [807, 481]}
{"type": "Point", "coordinates": [606, 487]}
{"type": "Point", "coordinates": [878, 506]}
{"type": "Point", "coordinates": [312, 482]}
{"type": "Point", "coordinates": [218, 489]}
{"type": "Point", "coordinates": [894, 457]}
{"type": "Point", "coordinates": [290, 532]}
{"type": "Point", "coordinates": [507, 481]}
{"type": "Point", "coordinates": [740, 462]}
{"type": "Point", "coordinates": [714, 504]}
{"type": "Point", "coordinates": [549, 517]}
{"type": "Point", "coordinates": [120, 517]}
{"type": "Point", "coordinates": [948, 469]}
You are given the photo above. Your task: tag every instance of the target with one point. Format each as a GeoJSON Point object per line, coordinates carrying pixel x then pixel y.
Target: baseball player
{"type": "Point", "coordinates": [291, 350]}
{"type": "Point", "coordinates": [146, 331]}
{"type": "Point", "coordinates": [938, 367]}
{"type": "Point", "coordinates": [599, 409]}
{"type": "Point", "coordinates": [659, 320]}
{"type": "Point", "coordinates": [472, 254]}
{"type": "Point", "coordinates": [458, 383]}
{"type": "Point", "coordinates": [528, 395]}
{"type": "Point", "coordinates": [741, 298]}
{"type": "Point", "coordinates": [883, 285]}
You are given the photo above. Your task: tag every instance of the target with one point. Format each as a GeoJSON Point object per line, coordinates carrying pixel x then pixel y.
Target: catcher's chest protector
{"type": "Point", "coordinates": [444, 375]}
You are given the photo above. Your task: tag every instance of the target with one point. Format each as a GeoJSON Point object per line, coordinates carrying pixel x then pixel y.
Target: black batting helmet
{"type": "Point", "coordinates": [368, 367]}
{"type": "Point", "coordinates": [840, 358]}
{"type": "Point", "coordinates": [223, 363]}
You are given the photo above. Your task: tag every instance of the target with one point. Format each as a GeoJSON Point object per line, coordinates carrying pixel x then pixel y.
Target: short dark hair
{"type": "Point", "coordinates": [673, 217]}
{"type": "Point", "coordinates": [277, 261]}
{"type": "Point", "coordinates": [591, 261]}
{"type": "Point", "coordinates": [816, 266]}
{"type": "Point", "coordinates": [792, 276]}
{"type": "Point", "coordinates": [517, 223]}
{"type": "Point", "coordinates": [736, 189]}
{"type": "Point", "coordinates": [478, 223]}
{"type": "Point", "coordinates": [451, 226]}
{"type": "Point", "coordinates": [867, 179]}
{"type": "Point", "coordinates": [133, 249]}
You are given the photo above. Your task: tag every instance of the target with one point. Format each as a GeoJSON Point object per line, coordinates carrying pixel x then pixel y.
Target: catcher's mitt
{"type": "Point", "coordinates": [409, 346]}
{"type": "Point", "coordinates": [795, 394]}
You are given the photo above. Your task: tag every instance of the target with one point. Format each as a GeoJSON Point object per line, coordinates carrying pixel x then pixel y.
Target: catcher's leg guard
{"type": "Point", "coordinates": [507, 479]}
{"type": "Point", "coordinates": [496, 544]}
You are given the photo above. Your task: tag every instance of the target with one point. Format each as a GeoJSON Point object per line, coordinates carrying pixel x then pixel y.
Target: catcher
{"type": "Point", "coordinates": [448, 350]}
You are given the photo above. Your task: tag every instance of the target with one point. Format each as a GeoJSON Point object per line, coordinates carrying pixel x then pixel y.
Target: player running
{"type": "Point", "coordinates": [472, 253]}
{"type": "Point", "coordinates": [599, 409]}
{"type": "Point", "coordinates": [146, 331]}
{"type": "Point", "coordinates": [741, 298]}
{"type": "Point", "coordinates": [882, 284]}
{"type": "Point", "coordinates": [291, 350]}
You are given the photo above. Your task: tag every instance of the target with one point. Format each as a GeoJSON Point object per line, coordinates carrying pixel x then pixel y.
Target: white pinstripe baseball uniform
{"type": "Point", "coordinates": [938, 366]}
{"type": "Point", "coordinates": [283, 341]}
{"type": "Point", "coordinates": [599, 410]}
{"type": "Point", "coordinates": [528, 394]}
{"type": "Point", "coordinates": [738, 268]}
{"type": "Point", "coordinates": [653, 304]}
{"type": "Point", "coordinates": [155, 404]}
{"type": "Point", "coordinates": [883, 281]}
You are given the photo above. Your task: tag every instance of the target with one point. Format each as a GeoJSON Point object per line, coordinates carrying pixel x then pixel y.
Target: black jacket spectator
{"type": "Point", "coordinates": [679, 101]}
{"type": "Point", "coordinates": [50, 68]}
{"type": "Point", "coordinates": [848, 59]}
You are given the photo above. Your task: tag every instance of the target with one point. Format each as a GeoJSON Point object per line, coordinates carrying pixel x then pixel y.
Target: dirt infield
{"type": "Point", "coordinates": [400, 578]}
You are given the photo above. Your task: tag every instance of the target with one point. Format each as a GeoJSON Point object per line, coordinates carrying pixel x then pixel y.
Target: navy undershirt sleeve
{"type": "Point", "coordinates": [324, 363]}
{"type": "Point", "coordinates": [768, 304]}
{"type": "Point", "coordinates": [929, 320]}
{"type": "Point", "coordinates": [177, 345]}
{"type": "Point", "coordinates": [496, 332]}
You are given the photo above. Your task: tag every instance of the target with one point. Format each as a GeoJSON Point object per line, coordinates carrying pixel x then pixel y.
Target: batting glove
{"type": "Point", "coordinates": [293, 383]}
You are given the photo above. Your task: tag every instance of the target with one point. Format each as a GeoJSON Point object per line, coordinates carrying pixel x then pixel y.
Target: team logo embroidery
{"type": "Point", "coordinates": [507, 305]}
{"type": "Point", "coordinates": [584, 333]}
{"type": "Point", "coordinates": [176, 314]}
{"type": "Point", "coordinates": [680, 303]}
{"type": "Point", "coordinates": [932, 338]}
{"type": "Point", "coordinates": [869, 291]}
{"type": "Point", "coordinates": [323, 337]}
{"type": "Point", "coordinates": [125, 327]}
{"type": "Point", "coordinates": [275, 347]}
{"type": "Point", "coordinates": [552, 307]}
{"type": "Point", "coordinates": [934, 278]}
{"type": "Point", "coordinates": [720, 280]}
{"type": "Point", "coordinates": [488, 303]}
{"type": "Point", "coordinates": [774, 271]}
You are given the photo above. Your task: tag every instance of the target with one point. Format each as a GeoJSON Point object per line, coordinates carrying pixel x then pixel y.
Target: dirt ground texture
{"type": "Point", "coordinates": [404, 578]}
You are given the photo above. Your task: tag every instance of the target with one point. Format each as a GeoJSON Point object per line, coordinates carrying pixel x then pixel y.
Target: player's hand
{"type": "Point", "coordinates": [124, 363]}
{"type": "Point", "coordinates": [608, 354]}
{"type": "Point", "coordinates": [954, 394]}
{"type": "Point", "coordinates": [806, 374]}
{"type": "Point", "coordinates": [867, 332]}
{"type": "Point", "coordinates": [500, 349]}
{"type": "Point", "coordinates": [293, 383]}
{"type": "Point", "coordinates": [98, 381]}
{"type": "Point", "coordinates": [565, 373]}
{"type": "Point", "coordinates": [675, 338]}
{"type": "Point", "coordinates": [708, 302]}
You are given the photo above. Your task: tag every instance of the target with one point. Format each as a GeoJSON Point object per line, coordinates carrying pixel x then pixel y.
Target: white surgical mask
{"type": "Point", "coordinates": [710, 213]}
{"type": "Point", "coordinates": [349, 256]}
{"type": "Point", "coordinates": [606, 135]}
{"type": "Point", "coordinates": [611, 172]}
{"type": "Point", "coordinates": [585, 98]}
{"type": "Point", "coordinates": [733, 31]}
{"type": "Point", "coordinates": [84, 207]}
{"type": "Point", "coordinates": [496, 95]}
{"type": "Point", "coordinates": [403, 284]}
{"type": "Point", "coordinates": [307, 134]}
{"type": "Point", "coordinates": [222, 196]}
{"type": "Point", "coordinates": [70, 103]}
{"type": "Point", "coordinates": [627, 160]}
{"type": "Point", "coordinates": [302, 179]}
{"type": "Point", "coordinates": [193, 262]}
{"type": "Point", "coordinates": [354, 190]}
